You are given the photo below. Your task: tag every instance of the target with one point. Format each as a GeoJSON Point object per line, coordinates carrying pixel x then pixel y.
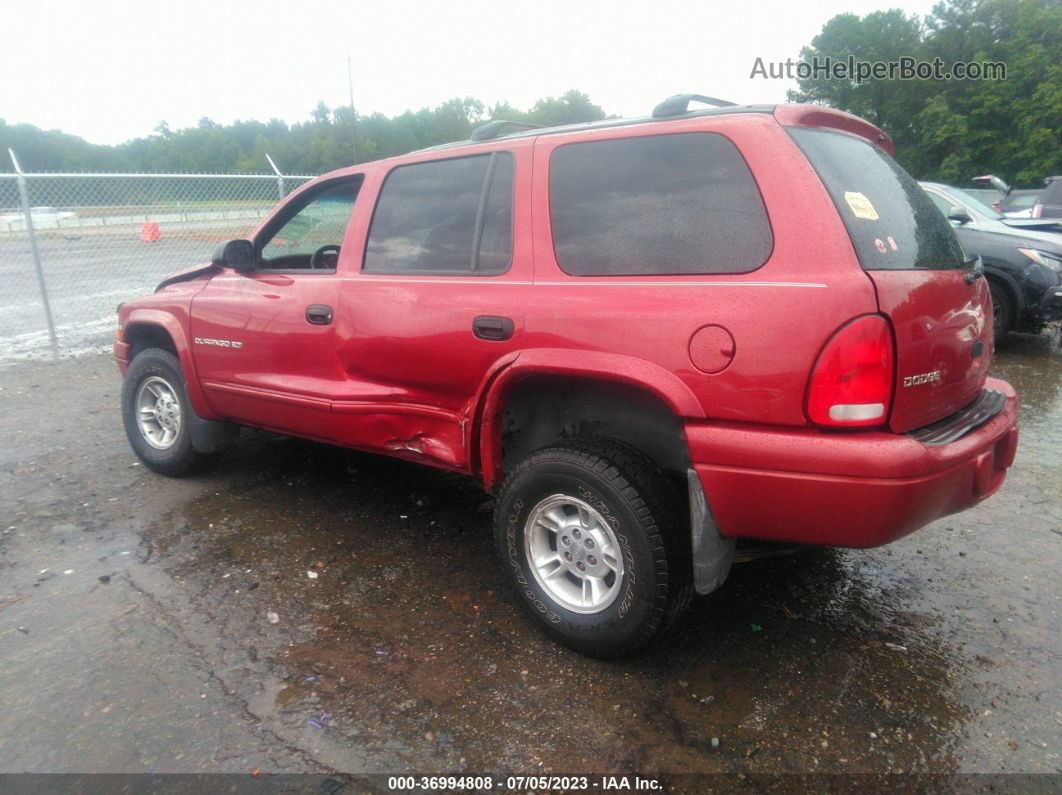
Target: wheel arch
{"type": "Point", "coordinates": [570, 392]}
{"type": "Point", "coordinates": [142, 335]}
{"type": "Point", "coordinates": [147, 328]}
{"type": "Point", "coordinates": [997, 275]}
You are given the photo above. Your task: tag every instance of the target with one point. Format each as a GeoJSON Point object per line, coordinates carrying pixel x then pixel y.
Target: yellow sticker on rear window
{"type": "Point", "coordinates": [861, 206]}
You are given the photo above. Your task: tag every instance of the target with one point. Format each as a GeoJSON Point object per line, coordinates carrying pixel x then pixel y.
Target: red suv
{"type": "Point", "coordinates": [648, 338]}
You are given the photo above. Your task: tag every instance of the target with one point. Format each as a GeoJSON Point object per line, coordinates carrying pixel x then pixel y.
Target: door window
{"type": "Point", "coordinates": [943, 204]}
{"type": "Point", "coordinates": [448, 216]}
{"type": "Point", "coordinates": [310, 237]}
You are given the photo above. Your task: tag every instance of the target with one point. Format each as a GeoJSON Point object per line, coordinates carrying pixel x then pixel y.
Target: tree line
{"type": "Point", "coordinates": [322, 143]}
{"type": "Point", "coordinates": [952, 130]}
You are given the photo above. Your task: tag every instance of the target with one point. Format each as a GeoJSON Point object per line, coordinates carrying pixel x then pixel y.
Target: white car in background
{"type": "Point", "coordinates": [42, 217]}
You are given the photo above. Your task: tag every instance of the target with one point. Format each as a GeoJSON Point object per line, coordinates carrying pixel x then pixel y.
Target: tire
{"type": "Point", "coordinates": [154, 382]}
{"type": "Point", "coordinates": [1003, 311]}
{"type": "Point", "coordinates": [596, 493]}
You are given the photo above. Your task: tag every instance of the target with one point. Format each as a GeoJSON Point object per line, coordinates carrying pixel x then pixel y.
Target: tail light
{"type": "Point", "coordinates": [851, 383]}
{"type": "Point", "coordinates": [1038, 210]}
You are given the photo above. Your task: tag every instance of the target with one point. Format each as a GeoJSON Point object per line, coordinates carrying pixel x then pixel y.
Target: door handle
{"type": "Point", "coordinates": [496, 329]}
{"type": "Point", "coordinates": [319, 314]}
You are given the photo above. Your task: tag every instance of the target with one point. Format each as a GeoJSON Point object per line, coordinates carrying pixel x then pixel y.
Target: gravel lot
{"type": "Point", "coordinates": [135, 627]}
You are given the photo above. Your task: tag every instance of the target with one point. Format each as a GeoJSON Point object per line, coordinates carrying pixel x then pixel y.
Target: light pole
{"type": "Point", "coordinates": [353, 119]}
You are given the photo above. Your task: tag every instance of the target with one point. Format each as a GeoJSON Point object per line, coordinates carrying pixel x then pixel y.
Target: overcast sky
{"type": "Point", "coordinates": [109, 70]}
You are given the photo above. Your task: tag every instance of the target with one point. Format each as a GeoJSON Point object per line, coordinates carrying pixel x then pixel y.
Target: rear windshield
{"type": "Point", "coordinates": [893, 224]}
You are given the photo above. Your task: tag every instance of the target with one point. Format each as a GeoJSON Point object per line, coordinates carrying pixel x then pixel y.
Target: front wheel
{"type": "Point", "coordinates": [157, 415]}
{"type": "Point", "coordinates": [1002, 311]}
{"type": "Point", "coordinates": [593, 543]}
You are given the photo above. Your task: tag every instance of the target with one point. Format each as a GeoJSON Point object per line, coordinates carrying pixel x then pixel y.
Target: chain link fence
{"type": "Point", "coordinates": [72, 246]}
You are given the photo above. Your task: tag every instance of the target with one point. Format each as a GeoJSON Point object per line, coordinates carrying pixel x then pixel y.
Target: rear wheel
{"type": "Point", "coordinates": [593, 545]}
{"type": "Point", "coordinates": [1002, 310]}
{"type": "Point", "coordinates": [157, 415]}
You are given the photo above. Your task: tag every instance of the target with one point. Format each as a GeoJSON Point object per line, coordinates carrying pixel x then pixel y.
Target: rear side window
{"type": "Point", "coordinates": [893, 224]}
{"type": "Point", "coordinates": [452, 216]}
{"type": "Point", "coordinates": [661, 204]}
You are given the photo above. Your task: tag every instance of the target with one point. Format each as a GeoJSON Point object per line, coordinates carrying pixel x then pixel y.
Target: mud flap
{"type": "Point", "coordinates": [712, 554]}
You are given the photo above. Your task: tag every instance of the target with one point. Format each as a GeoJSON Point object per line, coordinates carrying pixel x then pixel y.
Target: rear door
{"type": "Point", "coordinates": [438, 301]}
{"type": "Point", "coordinates": [939, 307]}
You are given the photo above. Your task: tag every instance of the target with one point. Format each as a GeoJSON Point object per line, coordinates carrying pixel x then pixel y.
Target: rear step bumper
{"type": "Point", "coordinates": [856, 489]}
{"type": "Point", "coordinates": [949, 429]}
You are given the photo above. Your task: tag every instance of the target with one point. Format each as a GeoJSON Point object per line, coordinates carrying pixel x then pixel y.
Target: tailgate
{"type": "Point", "coordinates": [938, 306]}
{"type": "Point", "coordinates": [943, 341]}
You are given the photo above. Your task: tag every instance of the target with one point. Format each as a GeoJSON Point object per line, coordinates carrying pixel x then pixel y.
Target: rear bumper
{"type": "Point", "coordinates": [846, 489]}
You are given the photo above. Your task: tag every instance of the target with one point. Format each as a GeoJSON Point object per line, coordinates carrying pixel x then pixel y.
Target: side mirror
{"type": "Point", "coordinates": [236, 254]}
{"type": "Point", "coordinates": [956, 214]}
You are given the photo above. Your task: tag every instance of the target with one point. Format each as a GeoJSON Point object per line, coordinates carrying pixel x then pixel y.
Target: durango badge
{"type": "Point", "coordinates": [218, 343]}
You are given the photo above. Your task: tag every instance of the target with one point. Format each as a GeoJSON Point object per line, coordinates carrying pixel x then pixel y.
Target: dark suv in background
{"type": "Point", "coordinates": [1022, 259]}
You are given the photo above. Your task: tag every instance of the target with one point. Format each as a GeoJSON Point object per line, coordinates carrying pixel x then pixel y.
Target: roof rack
{"type": "Point", "coordinates": [522, 129]}
{"type": "Point", "coordinates": [679, 104]}
{"type": "Point", "coordinates": [500, 127]}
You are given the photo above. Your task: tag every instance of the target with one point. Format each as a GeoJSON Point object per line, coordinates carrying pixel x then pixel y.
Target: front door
{"type": "Point", "coordinates": [264, 341]}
